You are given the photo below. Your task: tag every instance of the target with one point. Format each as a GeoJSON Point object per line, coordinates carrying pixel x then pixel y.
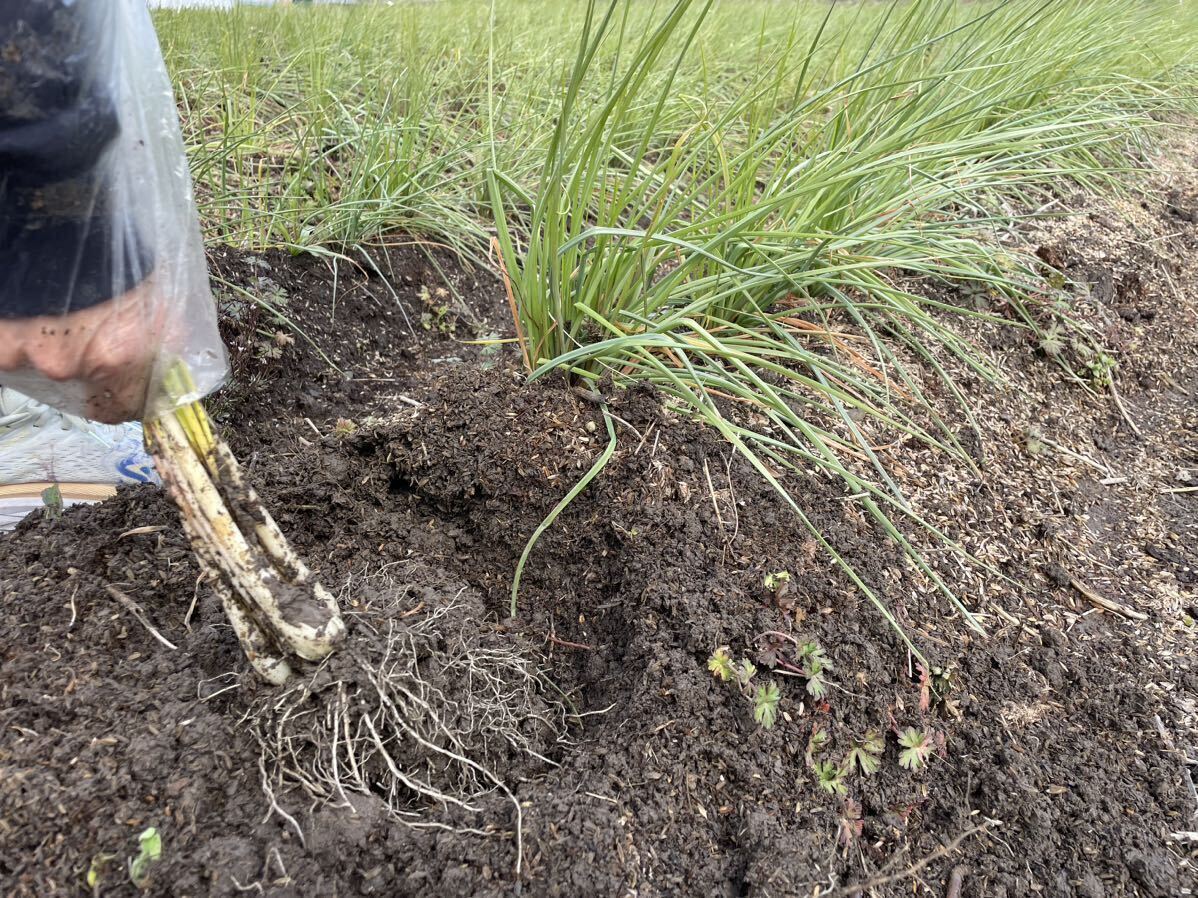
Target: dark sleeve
{"type": "Point", "coordinates": [62, 244]}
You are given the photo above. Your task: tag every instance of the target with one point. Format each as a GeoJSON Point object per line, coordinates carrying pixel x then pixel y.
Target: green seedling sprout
{"type": "Point", "coordinates": [765, 704]}
{"type": "Point", "coordinates": [721, 665]}
{"type": "Point", "coordinates": [866, 753]}
{"type": "Point", "coordinates": [745, 671]}
{"type": "Point", "coordinates": [765, 698]}
{"type": "Point", "coordinates": [52, 502]}
{"type": "Point", "coordinates": [95, 870]}
{"type": "Point", "coordinates": [775, 580]}
{"type": "Point", "coordinates": [817, 744]}
{"type": "Point", "coordinates": [815, 664]}
{"type": "Point", "coordinates": [149, 845]}
{"type": "Point", "coordinates": [916, 748]}
{"type": "Point", "coordinates": [831, 777]}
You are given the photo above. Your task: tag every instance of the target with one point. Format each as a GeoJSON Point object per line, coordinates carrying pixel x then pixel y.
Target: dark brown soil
{"type": "Point", "coordinates": [312, 336]}
{"type": "Point", "coordinates": [1049, 774]}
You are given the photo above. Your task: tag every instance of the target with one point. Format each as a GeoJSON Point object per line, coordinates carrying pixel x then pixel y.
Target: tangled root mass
{"type": "Point", "coordinates": [425, 708]}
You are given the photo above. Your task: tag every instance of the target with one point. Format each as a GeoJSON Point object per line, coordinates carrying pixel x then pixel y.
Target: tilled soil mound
{"type": "Point", "coordinates": [1055, 747]}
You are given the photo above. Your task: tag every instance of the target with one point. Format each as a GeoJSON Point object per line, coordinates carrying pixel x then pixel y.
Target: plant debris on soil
{"type": "Point", "coordinates": [400, 449]}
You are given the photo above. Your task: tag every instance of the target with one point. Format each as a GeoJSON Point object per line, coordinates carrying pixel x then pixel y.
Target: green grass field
{"type": "Point", "coordinates": [701, 195]}
{"type": "Point", "coordinates": [313, 126]}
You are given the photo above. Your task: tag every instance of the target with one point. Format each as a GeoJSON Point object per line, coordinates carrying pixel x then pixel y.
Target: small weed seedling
{"type": "Point", "coordinates": [149, 845]}
{"type": "Point", "coordinates": [808, 659]}
{"type": "Point", "coordinates": [1100, 365]}
{"type": "Point", "coordinates": [95, 870]}
{"type": "Point", "coordinates": [765, 698]}
{"type": "Point", "coordinates": [52, 502]}
{"type": "Point", "coordinates": [814, 663]}
{"type": "Point", "coordinates": [866, 753]}
{"type": "Point", "coordinates": [917, 748]}
{"type": "Point", "coordinates": [1034, 442]}
{"type": "Point", "coordinates": [344, 427]}
{"type": "Point", "coordinates": [492, 350]}
{"type": "Point", "coordinates": [817, 744]}
{"type": "Point", "coordinates": [270, 344]}
{"type": "Point", "coordinates": [1052, 343]}
{"type": "Point", "coordinates": [831, 777]}
{"type": "Point", "coordinates": [777, 581]}
{"type": "Point", "coordinates": [436, 316]}
{"type": "Point", "coordinates": [721, 665]}
{"type": "Point", "coordinates": [765, 704]}
{"type": "Point", "coordinates": [851, 824]}
{"type": "Point", "coordinates": [744, 673]}
{"type": "Point", "coordinates": [934, 687]}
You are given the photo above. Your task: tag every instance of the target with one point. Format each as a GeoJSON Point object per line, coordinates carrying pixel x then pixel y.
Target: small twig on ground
{"type": "Point", "coordinates": [1185, 767]}
{"type": "Point", "coordinates": [140, 531]}
{"type": "Point", "coordinates": [195, 598]}
{"type": "Point", "coordinates": [732, 501]}
{"type": "Point", "coordinates": [565, 643]}
{"type": "Point", "coordinates": [711, 491]}
{"type": "Point", "coordinates": [133, 608]}
{"type": "Point", "coordinates": [1085, 459]}
{"type": "Point", "coordinates": [588, 394]}
{"type": "Point", "coordinates": [885, 878]}
{"type": "Point", "coordinates": [1123, 410]}
{"type": "Point", "coordinates": [602, 797]}
{"type": "Point", "coordinates": [955, 880]}
{"type": "Point", "coordinates": [1099, 601]}
{"type": "Point", "coordinates": [1006, 615]}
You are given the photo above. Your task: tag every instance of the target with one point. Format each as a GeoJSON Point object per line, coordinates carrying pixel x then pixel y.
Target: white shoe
{"type": "Point", "coordinates": [40, 447]}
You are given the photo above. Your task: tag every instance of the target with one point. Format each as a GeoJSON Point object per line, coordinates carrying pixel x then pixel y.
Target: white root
{"type": "Point", "coordinates": [415, 713]}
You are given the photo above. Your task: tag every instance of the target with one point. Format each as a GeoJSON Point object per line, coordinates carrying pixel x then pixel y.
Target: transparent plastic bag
{"type": "Point", "coordinates": [103, 281]}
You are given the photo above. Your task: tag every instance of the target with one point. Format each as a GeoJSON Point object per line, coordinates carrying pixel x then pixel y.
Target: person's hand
{"type": "Point", "coordinates": [109, 348]}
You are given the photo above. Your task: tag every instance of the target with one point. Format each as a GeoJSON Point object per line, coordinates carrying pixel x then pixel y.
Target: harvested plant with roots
{"type": "Point", "coordinates": [279, 611]}
{"type": "Point", "coordinates": [422, 709]}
